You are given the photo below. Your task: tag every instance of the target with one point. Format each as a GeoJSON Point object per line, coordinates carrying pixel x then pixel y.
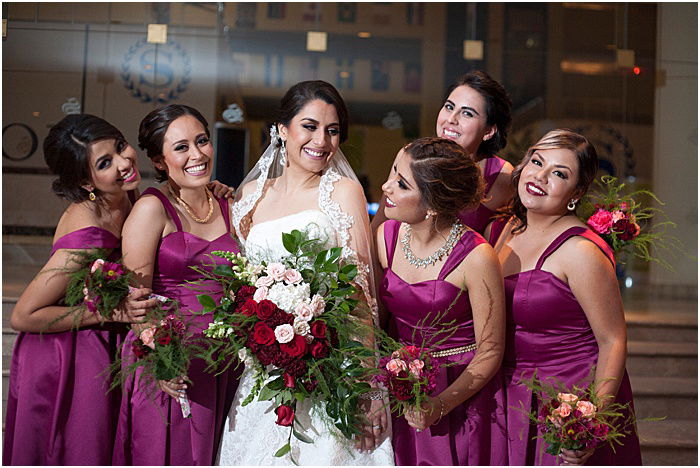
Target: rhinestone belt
{"type": "Point", "coordinates": [453, 351]}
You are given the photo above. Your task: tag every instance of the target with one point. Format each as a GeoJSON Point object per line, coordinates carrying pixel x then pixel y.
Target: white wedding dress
{"type": "Point", "coordinates": [251, 436]}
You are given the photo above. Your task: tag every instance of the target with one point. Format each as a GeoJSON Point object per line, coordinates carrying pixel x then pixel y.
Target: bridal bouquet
{"type": "Point", "coordinates": [576, 419]}
{"type": "Point", "coordinates": [97, 284]}
{"type": "Point", "coordinates": [296, 324]}
{"type": "Point", "coordinates": [409, 374]}
{"type": "Point", "coordinates": [624, 222]}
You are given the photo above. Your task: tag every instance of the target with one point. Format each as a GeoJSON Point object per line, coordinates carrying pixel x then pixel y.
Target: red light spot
{"type": "Point", "coordinates": [636, 70]}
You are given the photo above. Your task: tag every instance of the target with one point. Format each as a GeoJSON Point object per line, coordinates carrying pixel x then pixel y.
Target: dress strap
{"type": "Point", "coordinates": [86, 238]}
{"type": "Point", "coordinates": [169, 208]}
{"type": "Point", "coordinates": [571, 232]}
{"type": "Point", "coordinates": [470, 239]}
{"type": "Point", "coordinates": [223, 204]}
{"type": "Point", "coordinates": [493, 167]}
{"type": "Point", "coordinates": [391, 237]}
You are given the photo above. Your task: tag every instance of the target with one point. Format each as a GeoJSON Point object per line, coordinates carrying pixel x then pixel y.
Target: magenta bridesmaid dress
{"type": "Point", "coordinates": [58, 408]}
{"type": "Point", "coordinates": [480, 217]}
{"type": "Point", "coordinates": [547, 330]}
{"type": "Point", "coordinates": [473, 433]}
{"type": "Point", "coordinates": [153, 431]}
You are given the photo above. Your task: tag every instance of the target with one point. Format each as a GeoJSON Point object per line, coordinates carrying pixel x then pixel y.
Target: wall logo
{"type": "Point", "coordinates": [156, 73]}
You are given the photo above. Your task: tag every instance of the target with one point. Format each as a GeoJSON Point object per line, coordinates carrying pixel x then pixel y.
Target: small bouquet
{"type": "Point", "coordinates": [163, 351]}
{"type": "Point", "coordinates": [409, 375]}
{"type": "Point", "coordinates": [623, 221]}
{"type": "Point", "coordinates": [296, 324]}
{"type": "Point", "coordinates": [98, 284]}
{"type": "Point", "coordinates": [576, 419]}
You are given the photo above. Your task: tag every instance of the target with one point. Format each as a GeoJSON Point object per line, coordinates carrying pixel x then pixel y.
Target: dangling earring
{"type": "Point", "coordinates": [92, 196]}
{"type": "Point", "coordinates": [283, 154]}
{"type": "Point", "coordinates": [572, 205]}
{"type": "Point", "coordinates": [428, 215]}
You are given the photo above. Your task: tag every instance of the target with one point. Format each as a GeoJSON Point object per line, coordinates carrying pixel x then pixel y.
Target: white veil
{"type": "Point", "coordinates": [353, 235]}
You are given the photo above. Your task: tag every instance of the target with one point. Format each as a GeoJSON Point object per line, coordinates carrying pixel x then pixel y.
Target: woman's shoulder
{"type": "Point", "coordinates": [76, 216]}
{"type": "Point", "coordinates": [348, 186]}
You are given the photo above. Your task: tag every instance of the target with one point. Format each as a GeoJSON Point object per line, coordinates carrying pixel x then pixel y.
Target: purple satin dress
{"type": "Point", "coordinates": [58, 408]}
{"type": "Point", "coordinates": [473, 433]}
{"type": "Point", "coordinates": [480, 217]}
{"type": "Point", "coordinates": [153, 431]}
{"type": "Point", "coordinates": [547, 330]}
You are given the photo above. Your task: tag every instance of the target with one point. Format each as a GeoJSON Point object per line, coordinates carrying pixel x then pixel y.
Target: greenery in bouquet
{"type": "Point", "coordinates": [298, 325]}
{"type": "Point", "coordinates": [98, 285]}
{"type": "Point", "coordinates": [626, 221]}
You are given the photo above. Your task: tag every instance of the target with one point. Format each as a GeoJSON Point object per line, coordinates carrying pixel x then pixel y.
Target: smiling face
{"type": "Point", "coordinates": [187, 153]}
{"type": "Point", "coordinates": [463, 119]}
{"type": "Point", "coordinates": [549, 181]}
{"type": "Point", "coordinates": [112, 167]}
{"type": "Point", "coordinates": [403, 197]}
{"type": "Point", "coordinates": [313, 136]}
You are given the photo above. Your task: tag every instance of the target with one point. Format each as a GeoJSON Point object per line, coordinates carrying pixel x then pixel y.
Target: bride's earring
{"type": "Point", "coordinates": [283, 154]}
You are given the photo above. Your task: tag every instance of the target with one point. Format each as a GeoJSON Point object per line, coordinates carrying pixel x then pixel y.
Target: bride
{"type": "Point", "coordinates": [303, 181]}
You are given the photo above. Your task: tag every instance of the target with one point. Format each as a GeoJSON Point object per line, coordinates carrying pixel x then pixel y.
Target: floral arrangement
{"type": "Point", "coordinates": [624, 222]}
{"type": "Point", "coordinates": [409, 375]}
{"type": "Point", "coordinates": [576, 419]}
{"type": "Point", "coordinates": [97, 284]}
{"type": "Point", "coordinates": [296, 324]}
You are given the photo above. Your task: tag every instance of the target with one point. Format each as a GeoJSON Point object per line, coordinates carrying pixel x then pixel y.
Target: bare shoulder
{"type": "Point", "coordinates": [77, 216]}
{"type": "Point", "coordinates": [580, 256]}
{"type": "Point", "coordinates": [481, 257]}
{"type": "Point", "coordinates": [248, 188]}
{"type": "Point", "coordinates": [148, 204]}
{"type": "Point", "coordinates": [348, 187]}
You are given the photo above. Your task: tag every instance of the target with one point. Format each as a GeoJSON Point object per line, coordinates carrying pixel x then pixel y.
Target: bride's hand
{"type": "Point", "coordinates": [375, 426]}
{"type": "Point", "coordinates": [175, 387]}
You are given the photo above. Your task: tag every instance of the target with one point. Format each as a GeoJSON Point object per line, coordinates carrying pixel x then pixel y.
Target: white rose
{"type": "Point", "coordinates": [301, 326]}
{"type": "Point", "coordinates": [292, 276]}
{"type": "Point", "coordinates": [304, 311]}
{"type": "Point", "coordinates": [264, 282]}
{"type": "Point", "coordinates": [318, 305]}
{"type": "Point", "coordinates": [284, 333]}
{"type": "Point", "coordinates": [260, 294]}
{"type": "Point", "coordinates": [276, 270]}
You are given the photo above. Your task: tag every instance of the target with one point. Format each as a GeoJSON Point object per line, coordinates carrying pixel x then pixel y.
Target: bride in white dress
{"type": "Point", "coordinates": [304, 182]}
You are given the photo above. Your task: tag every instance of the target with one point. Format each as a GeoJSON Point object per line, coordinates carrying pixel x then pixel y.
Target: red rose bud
{"type": "Point", "coordinates": [263, 334]}
{"type": "Point", "coordinates": [319, 349]}
{"type": "Point", "coordinates": [266, 309]}
{"type": "Point", "coordinates": [289, 380]}
{"type": "Point", "coordinates": [285, 415]}
{"type": "Point", "coordinates": [318, 329]}
{"type": "Point", "coordinates": [296, 347]}
{"type": "Point", "coordinates": [163, 340]}
{"type": "Point", "coordinates": [249, 308]}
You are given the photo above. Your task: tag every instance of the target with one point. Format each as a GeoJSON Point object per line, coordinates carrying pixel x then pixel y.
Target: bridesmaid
{"type": "Point", "coordinates": [564, 310]}
{"type": "Point", "coordinates": [58, 408]}
{"type": "Point", "coordinates": [431, 182]}
{"type": "Point", "coordinates": [170, 228]}
{"type": "Point", "coordinates": [476, 114]}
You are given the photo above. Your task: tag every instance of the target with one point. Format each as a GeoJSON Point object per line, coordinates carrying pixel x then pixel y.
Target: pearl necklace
{"type": "Point", "coordinates": [455, 234]}
{"type": "Point", "coordinates": [189, 210]}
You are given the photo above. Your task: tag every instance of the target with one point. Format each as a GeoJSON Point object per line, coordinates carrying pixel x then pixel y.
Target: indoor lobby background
{"type": "Point", "coordinates": [622, 74]}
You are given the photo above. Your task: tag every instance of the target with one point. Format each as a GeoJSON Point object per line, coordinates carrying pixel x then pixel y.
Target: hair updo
{"type": "Point", "coordinates": [448, 179]}
{"type": "Point", "coordinates": [498, 109]}
{"type": "Point", "coordinates": [67, 152]}
{"type": "Point", "coordinates": [304, 92]}
{"type": "Point", "coordinates": [154, 126]}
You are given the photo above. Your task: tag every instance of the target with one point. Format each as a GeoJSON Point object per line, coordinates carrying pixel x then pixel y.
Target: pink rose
{"type": "Point", "coordinates": [284, 333]}
{"type": "Point", "coordinates": [601, 221]}
{"type": "Point", "coordinates": [147, 337]}
{"type": "Point", "coordinates": [318, 305]}
{"type": "Point", "coordinates": [276, 271]}
{"type": "Point", "coordinates": [264, 282]}
{"type": "Point", "coordinates": [563, 411]}
{"type": "Point", "coordinates": [617, 215]}
{"type": "Point", "coordinates": [568, 397]}
{"type": "Point", "coordinates": [260, 294]}
{"type": "Point", "coordinates": [586, 408]}
{"type": "Point", "coordinates": [555, 421]}
{"type": "Point", "coordinates": [395, 366]}
{"type": "Point", "coordinates": [416, 366]}
{"type": "Point", "coordinates": [304, 311]}
{"type": "Point", "coordinates": [292, 276]}
{"type": "Point", "coordinates": [96, 264]}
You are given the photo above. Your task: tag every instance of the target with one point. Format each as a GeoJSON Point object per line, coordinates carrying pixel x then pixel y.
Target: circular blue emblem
{"type": "Point", "coordinates": [156, 74]}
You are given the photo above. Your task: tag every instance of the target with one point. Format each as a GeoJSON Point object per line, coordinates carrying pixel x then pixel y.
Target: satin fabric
{"type": "Point", "coordinates": [547, 330]}
{"type": "Point", "coordinates": [58, 408]}
{"type": "Point", "coordinates": [151, 428]}
{"type": "Point", "coordinates": [473, 433]}
{"type": "Point", "coordinates": [479, 218]}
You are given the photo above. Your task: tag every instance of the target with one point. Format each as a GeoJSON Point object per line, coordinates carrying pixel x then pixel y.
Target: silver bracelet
{"type": "Point", "coordinates": [372, 395]}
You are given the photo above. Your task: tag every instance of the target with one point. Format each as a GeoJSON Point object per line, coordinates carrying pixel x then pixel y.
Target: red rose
{"type": "Point", "coordinates": [249, 308]}
{"type": "Point", "coordinates": [138, 349]}
{"type": "Point", "coordinates": [266, 309]}
{"type": "Point", "coordinates": [263, 334]}
{"type": "Point", "coordinates": [163, 339]}
{"type": "Point", "coordinates": [296, 347]}
{"type": "Point", "coordinates": [289, 380]}
{"type": "Point", "coordinates": [319, 349]}
{"type": "Point", "coordinates": [318, 329]}
{"type": "Point", "coordinates": [285, 415]}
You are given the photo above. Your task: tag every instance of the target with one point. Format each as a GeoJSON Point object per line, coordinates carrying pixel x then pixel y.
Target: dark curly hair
{"type": "Point", "coordinates": [498, 109]}
{"type": "Point", "coordinates": [448, 179]}
{"type": "Point", "coordinates": [153, 127]}
{"type": "Point", "coordinates": [67, 153]}
{"type": "Point", "coordinates": [560, 138]}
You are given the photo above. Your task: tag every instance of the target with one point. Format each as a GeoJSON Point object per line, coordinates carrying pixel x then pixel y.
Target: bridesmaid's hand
{"type": "Point", "coordinates": [421, 420]}
{"type": "Point", "coordinates": [575, 457]}
{"type": "Point", "coordinates": [135, 308]}
{"type": "Point", "coordinates": [175, 387]}
{"type": "Point", "coordinates": [220, 190]}
{"type": "Point", "coordinates": [375, 426]}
